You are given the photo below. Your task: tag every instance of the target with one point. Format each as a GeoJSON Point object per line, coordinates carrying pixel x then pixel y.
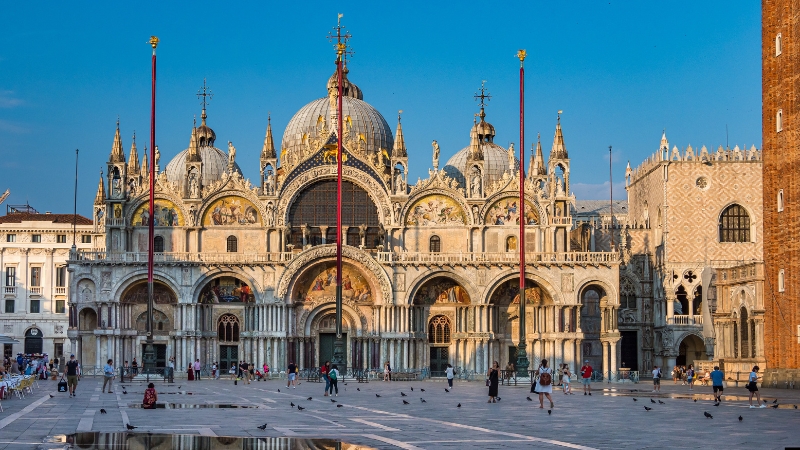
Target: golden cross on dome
{"type": "Point", "coordinates": [343, 49]}
{"type": "Point", "coordinates": [484, 96]}
{"type": "Point", "coordinates": [206, 94]}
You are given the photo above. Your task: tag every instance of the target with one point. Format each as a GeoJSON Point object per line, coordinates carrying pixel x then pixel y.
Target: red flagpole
{"type": "Point", "coordinates": [340, 51]}
{"type": "Point", "coordinates": [522, 357]}
{"type": "Point", "coordinates": [149, 355]}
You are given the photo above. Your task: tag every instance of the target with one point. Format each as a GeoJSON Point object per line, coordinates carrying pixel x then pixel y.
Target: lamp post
{"type": "Point", "coordinates": [149, 357]}
{"type": "Point", "coordinates": [522, 355]}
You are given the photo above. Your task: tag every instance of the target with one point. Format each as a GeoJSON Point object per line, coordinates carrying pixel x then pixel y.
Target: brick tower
{"type": "Point", "coordinates": [780, 58]}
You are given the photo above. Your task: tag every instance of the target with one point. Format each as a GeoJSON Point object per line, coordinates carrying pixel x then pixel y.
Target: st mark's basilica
{"type": "Point", "coordinates": [245, 270]}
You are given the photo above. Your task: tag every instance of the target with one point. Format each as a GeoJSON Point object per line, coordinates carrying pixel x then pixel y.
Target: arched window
{"type": "Point", "coordinates": [228, 328]}
{"type": "Point", "coordinates": [627, 297]}
{"type": "Point", "coordinates": [781, 281]}
{"type": "Point", "coordinates": [158, 244]}
{"type": "Point", "coordinates": [734, 225]}
{"type": "Point", "coordinates": [233, 244]}
{"type": "Point", "coordinates": [780, 200]}
{"type": "Point", "coordinates": [779, 120]}
{"type": "Point", "coordinates": [778, 44]}
{"type": "Point", "coordinates": [439, 330]}
{"type": "Point", "coordinates": [511, 244]}
{"type": "Point", "coordinates": [435, 245]}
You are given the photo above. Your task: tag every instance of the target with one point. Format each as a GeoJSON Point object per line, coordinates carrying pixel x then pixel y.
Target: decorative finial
{"type": "Point", "coordinates": [194, 121]}
{"type": "Point", "coordinates": [134, 137]}
{"type": "Point", "coordinates": [154, 42]}
{"type": "Point", "coordinates": [339, 37]}
{"type": "Point", "coordinates": [558, 119]}
{"type": "Point", "coordinates": [484, 96]}
{"type": "Point", "coordinates": [398, 115]}
{"type": "Point", "coordinates": [205, 94]}
{"type": "Point", "coordinates": [521, 54]}
{"type": "Point", "coordinates": [117, 121]}
{"type": "Point", "coordinates": [269, 118]}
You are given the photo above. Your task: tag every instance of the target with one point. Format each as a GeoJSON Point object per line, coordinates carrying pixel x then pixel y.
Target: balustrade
{"type": "Point", "coordinates": [35, 290]}
{"type": "Point", "coordinates": [685, 320]}
{"type": "Point", "coordinates": [10, 290]}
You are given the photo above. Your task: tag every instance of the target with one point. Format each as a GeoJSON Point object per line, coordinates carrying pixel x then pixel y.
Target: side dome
{"type": "Point", "coordinates": [215, 163]}
{"type": "Point", "coordinates": [495, 163]}
{"type": "Point", "coordinates": [365, 120]}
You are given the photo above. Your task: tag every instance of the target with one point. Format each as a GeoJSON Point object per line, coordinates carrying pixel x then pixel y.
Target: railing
{"type": "Point", "coordinates": [10, 290]}
{"type": "Point", "coordinates": [609, 376]}
{"type": "Point", "coordinates": [561, 221]}
{"type": "Point", "coordinates": [498, 257]}
{"type": "Point", "coordinates": [116, 222]}
{"type": "Point", "coordinates": [35, 290]}
{"type": "Point", "coordinates": [60, 290]}
{"type": "Point", "coordinates": [141, 257]}
{"type": "Point", "coordinates": [685, 320]}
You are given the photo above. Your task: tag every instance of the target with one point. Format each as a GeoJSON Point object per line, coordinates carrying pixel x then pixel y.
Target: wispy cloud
{"type": "Point", "coordinates": [11, 127]}
{"type": "Point", "coordinates": [8, 100]}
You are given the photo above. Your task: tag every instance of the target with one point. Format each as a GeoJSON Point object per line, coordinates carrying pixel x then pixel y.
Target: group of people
{"type": "Point", "coordinates": [686, 375]}
{"type": "Point", "coordinates": [39, 365]}
{"type": "Point", "coordinates": [330, 373]}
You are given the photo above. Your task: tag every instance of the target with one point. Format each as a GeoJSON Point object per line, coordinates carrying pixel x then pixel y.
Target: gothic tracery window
{"type": "Point", "coordinates": [228, 328]}
{"type": "Point", "coordinates": [734, 224]}
{"type": "Point", "coordinates": [627, 297]}
{"type": "Point", "coordinates": [439, 330]}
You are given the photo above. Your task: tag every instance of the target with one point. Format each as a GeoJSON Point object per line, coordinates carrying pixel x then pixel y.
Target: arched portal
{"type": "Point", "coordinates": [691, 349]}
{"type": "Point", "coordinates": [505, 301]}
{"type": "Point", "coordinates": [327, 337]}
{"type": "Point", "coordinates": [228, 335]}
{"type": "Point", "coordinates": [226, 289]}
{"type": "Point", "coordinates": [439, 332]}
{"type": "Point", "coordinates": [443, 298]}
{"type": "Point", "coordinates": [34, 342]}
{"type": "Point", "coordinates": [592, 325]}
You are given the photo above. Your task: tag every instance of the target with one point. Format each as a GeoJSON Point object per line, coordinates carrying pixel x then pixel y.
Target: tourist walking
{"type": "Point", "coordinates": [752, 386]}
{"type": "Point", "coordinates": [135, 367]}
{"type": "Point", "coordinates": [333, 375]}
{"type": "Point", "coordinates": [656, 379]}
{"type": "Point", "coordinates": [545, 385]}
{"type": "Point", "coordinates": [586, 377]}
{"type": "Point", "coordinates": [150, 397]}
{"type": "Point", "coordinates": [323, 372]}
{"type": "Point", "coordinates": [676, 374]}
{"type": "Point", "coordinates": [565, 379]}
{"type": "Point", "coordinates": [717, 384]}
{"type": "Point", "coordinates": [108, 375]}
{"type": "Point", "coordinates": [232, 370]}
{"type": "Point", "coordinates": [197, 368]}
{"type": "Point", "coordinates": [171, 369]}
{"type": "Point", "coordinates": [387, 372]}
{"type": "Point", "coordinates": [72, 375]}
{"type": "Point", "coordinates": [290, 375]}
{"type": "Point", "coordinates": [690, 377]}
{"type": "Point", "coordinates": [214, 371]}
{"type": "Point", "coordinates": [449, 373]}
{"type": "Point", "coordinates": [493, 381]}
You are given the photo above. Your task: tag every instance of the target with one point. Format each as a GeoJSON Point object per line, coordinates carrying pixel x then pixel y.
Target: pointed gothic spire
{"type": "Point", "coordinates": [133, 160]}
{"type": "Point", "coordinates": [268, 150]}
{"type": "Point", "coordinates": [399, 150]}
{"type": "Point", "coordinates": [475, 150]}
{"type": "Point", "coordinates": [117, 156]}
{"type": "Point", "coordinates": [194, 155]}
{"type": "Point", "coordinates": [559, 150]}
{"type": "Point", "coordinates": [145, 172]}
{"type": "Point", "coordinates": [101, 191]}
{"type": "Point", "coordinates": [538, 167]}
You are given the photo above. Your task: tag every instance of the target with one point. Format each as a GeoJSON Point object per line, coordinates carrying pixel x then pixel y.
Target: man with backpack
{"type": "Point", "coordinates": [656, 379]}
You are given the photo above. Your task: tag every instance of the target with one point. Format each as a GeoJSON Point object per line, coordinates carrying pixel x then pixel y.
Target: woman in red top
{"type": "Point", "coordinates": [150, 397]}
{"type": "Point", "coordinates": [323, 371]}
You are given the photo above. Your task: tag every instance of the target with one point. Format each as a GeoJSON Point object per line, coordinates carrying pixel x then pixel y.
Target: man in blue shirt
{"type": "Point", "coordinates": [716, 383]}
{"type": "Point", "coordinates": [108, 375]}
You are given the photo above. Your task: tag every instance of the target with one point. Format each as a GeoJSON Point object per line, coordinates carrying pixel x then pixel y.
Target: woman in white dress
{"type": "Point", "coordinates": [545, 383]}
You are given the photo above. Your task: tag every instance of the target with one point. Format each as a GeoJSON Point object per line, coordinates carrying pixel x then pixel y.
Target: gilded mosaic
{"type": "Point", "coordinates": [166, 214]}
{"type": "Point", "coordinates": [231, 211]}
{"type": "Point", "coordinates": [435, 210]}
{"type": "Point", "coordinates": [506, 212]}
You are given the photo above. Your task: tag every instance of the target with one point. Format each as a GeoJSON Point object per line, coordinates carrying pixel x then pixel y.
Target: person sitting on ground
{"type": "Point", "coordinates": [150, 397]}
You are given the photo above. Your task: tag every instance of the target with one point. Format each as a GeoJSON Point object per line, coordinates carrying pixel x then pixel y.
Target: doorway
{"type": "Point", "coordinates": [629, 351]}
{"type": "Point", "coordinates": [228, 357]}
{"type": "Point", "coordinates": [439, 360]}
{"type": "Point", "coordinates": [34, 344]}
{"type": "Point", "coordinates": [326, 341]}
{"type": "Point", "coordinates": [161, 355]}
{"type": "Point", "coordinates": [512, 355]}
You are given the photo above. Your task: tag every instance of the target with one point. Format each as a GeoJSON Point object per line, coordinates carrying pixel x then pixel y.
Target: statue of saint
{"type": "Point", "coordinates": [270, 182]}
{"type": "Point", "coordinates": [400, 184]}
{"type": "Point", "coordinates": [435, 155]}
{"type": "Point", "coordinates": [511, 157]}
{"type": "Point", "coordinates": [476, 183]}
{"type": "Point", "coordinates": [231, 156]}
{"type": "Point", "coordinates": [158, 157]}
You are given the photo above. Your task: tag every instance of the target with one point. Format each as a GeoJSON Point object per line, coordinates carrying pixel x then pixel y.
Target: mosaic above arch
{"type": "Point", "coordinates": [319, 284]}
{"type": "Point", "coordinates": [226, 290]}
{"type": "Point", "coordinates": [165, 214]}
{"type": "Point", "coordinates": [137, 294]}
{"type": "Point", "coordinates": [508, 294]}
{"type": "Point", "coordinates": [441, 291]}
{"type": "Point", "coordinates": [506, 212]}
{"type": "Point", "coordinates": [231, 211]}
{"type": "Point", "coordinates": [435, 209]}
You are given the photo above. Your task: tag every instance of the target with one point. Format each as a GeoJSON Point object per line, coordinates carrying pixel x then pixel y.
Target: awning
{"type": "Point", "coordinates": [7, 340]}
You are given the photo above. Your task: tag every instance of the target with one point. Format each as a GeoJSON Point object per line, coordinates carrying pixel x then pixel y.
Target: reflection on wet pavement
{"type": "Point", "coordinates": [135, 441]}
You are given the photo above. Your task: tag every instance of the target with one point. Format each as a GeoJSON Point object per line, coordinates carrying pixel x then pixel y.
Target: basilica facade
{"type": "Point", "coordinates": [246, 270]}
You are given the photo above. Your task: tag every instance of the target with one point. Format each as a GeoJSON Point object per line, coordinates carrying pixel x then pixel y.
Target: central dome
{"type": "Point", "coordinates": [365, 120]}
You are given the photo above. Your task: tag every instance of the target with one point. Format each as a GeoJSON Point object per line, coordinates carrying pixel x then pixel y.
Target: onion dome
{"type": "Point", "coordinates": [349, 89]}
{"type": "Point", "coordinates": [205, 135]}
{"type": "Point", "coordinates": [365, 120]}
{"type": "Point", "coordinates": [495, 157]}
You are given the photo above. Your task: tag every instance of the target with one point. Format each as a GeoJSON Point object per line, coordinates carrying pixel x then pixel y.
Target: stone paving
{"type": "Point", "coordinates": [608, 419]}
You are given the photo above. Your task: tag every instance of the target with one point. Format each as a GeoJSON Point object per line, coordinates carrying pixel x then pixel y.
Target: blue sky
{"type": "Point", "coordinates": [620, 71]}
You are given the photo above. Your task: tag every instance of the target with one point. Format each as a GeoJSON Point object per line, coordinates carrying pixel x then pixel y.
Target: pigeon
{"type": "Point", "coordinates": [378, 396]}
{"type": "Point", "coordinates": [300, 408]}
{"type": "Point", "coordinates": [652, 401]}
{"type": "Point", "coordinates": [662, 403]}
{"type": "Point", "coordinates": [708, 415]}
{"type": "Point", "coordinates": [309, 398]}
{"type": "Point", "coordinates": [180, 386]}
{"type": "Point", "coordinates": [279, 390]}
{"type": "Point", "coordinates": [405, 402]}
{"type": "Point", "coordinates": [423, 400]}
{"type": "Point", "coordinates": [458, 405]}
{"type": "Point", "coordinates": [765, 401]}
{"type": "Point", "coordinates": [716, 404]}
{"type": "Point", "coordinates": [125, 392]}
{"type": "Point", "coordinates": [262, 427]}
{"type": "Point", "coordinates": [412, 388]}
{"type": "Point", "coordinates": [774, 406]}
{"type": "Point", "coordinates": [446, 390]}
{"type": "Point", "coordinates": [549, 411]}
{"type": "Point", "coordinates": [102, 411]}
{"type": "Point", "coordinates": [358, 389]}
{"type": "Point", "coordinates": [333, 401]}
{"type": "Point", "coordinates": [422, 390]}
{"type": "Point", "coordinates": [795, 406]}
{"type": "Point", "coordinates": [292, 403]}
{"type": "Point", "coordinates": [130, 427]}
{"type": "Point", "coordinates": [775, 401]}
{"type": "Point", "coordinates": [529, 399]}
{"type": "Point", "coordinates": [740, 418]}
{"type": "Point", "coordinates": [51, 395]}
{"type": "Point", "coordinates": [498, 398]}
{"type": "Point", "coordinates": [339, 406]}
{"type": "Point", "coordinates": [695, 400]}
{"type": "Point", "coordinates": [402, 394]}
{"type": "Point", "coordinates": [647, 408]}
{"type": "Point", "coordinates": [635, 399]}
